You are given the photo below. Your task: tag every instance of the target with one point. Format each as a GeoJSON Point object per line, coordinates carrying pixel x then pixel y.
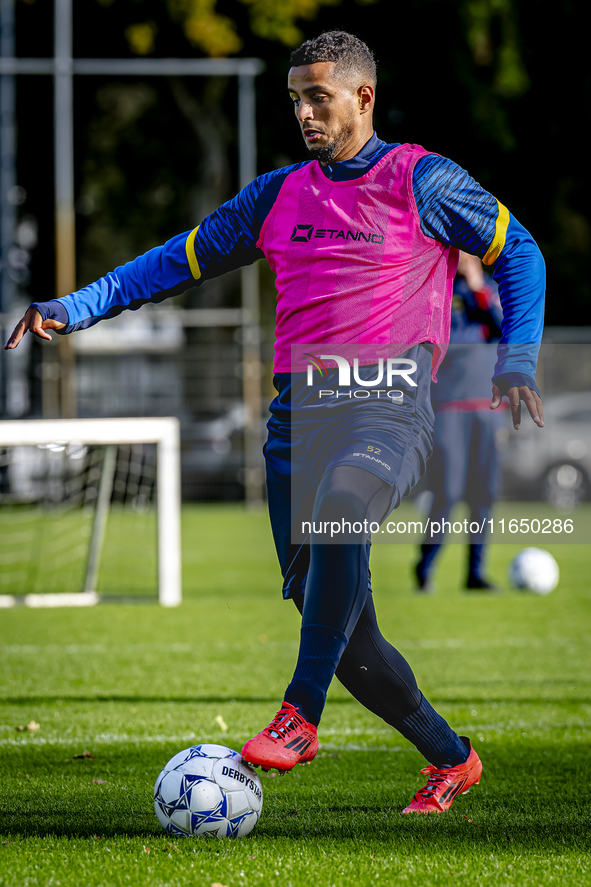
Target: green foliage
{"type": "Point", "coordinates": [493, 38]}
{"type": "Point", "coordinates": [205, 28]}
{"type": "Point", "coordinates": [492, 84]}
{"type": "Point", "coordinates": [141, 37]}
{"type": "Point", "coordinates": [481, 16]}
{"type": "Point", "coordinates": [217, 35]}
{"type": "Point", "coordinates": [277, 21]}
{"type": "Point", "coordinates": [132, 686]}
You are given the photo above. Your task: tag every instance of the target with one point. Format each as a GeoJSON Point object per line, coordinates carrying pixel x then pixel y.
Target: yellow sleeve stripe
{"type": "Point", "coordinates": [192, 258]}
{"type": "Point", "coordinates": [498, 242]}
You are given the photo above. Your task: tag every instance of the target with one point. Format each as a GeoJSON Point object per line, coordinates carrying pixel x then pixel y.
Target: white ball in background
{"type": "Point", "coordinates": [535, 570]}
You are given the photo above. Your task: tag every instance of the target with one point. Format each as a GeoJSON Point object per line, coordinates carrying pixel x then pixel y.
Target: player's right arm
{"type": "Point", "coordinates": [225, 240]}
{"type": "Point", "coordinates": [456, 210]}
{"type": "Point", "coordinates": [32, 322]}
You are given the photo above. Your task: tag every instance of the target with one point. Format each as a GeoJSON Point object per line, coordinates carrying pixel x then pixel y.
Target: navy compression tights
{"type": "Point", "coordinates": [338, 594]}
{"type": "Point", "coordinates": [340, 632]}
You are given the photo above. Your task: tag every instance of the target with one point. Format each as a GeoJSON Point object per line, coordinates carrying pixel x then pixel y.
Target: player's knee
{"type": "Point", "coordinates": [351, 494]}
{"type": "Point", "coordinates": [339, 505]}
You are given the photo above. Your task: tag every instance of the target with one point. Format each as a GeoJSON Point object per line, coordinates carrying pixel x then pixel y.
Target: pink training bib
{"type": "Point", "coordinates": [352, 263]}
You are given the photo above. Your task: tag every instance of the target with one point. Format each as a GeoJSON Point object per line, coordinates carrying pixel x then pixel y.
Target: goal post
{"type": "Point", "coordinates": [165, 434]}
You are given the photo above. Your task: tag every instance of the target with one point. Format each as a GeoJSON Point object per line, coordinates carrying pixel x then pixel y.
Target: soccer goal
{"type": "Point", "coordinates": [89, 511]}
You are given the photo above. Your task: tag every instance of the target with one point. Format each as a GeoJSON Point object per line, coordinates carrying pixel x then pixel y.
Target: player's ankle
{"type": "Point", "coordinates": [433, 737]}
{"type": "Point", "coordinates": [456, 755]}
{"type": "Point", "coordinates": [306, 709]}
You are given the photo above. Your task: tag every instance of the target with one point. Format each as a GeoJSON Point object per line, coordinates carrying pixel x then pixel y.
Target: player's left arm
{"type": "Point", "coordinates": [456, 210]}
{"type": "Point", "coordinates": [520, 273]}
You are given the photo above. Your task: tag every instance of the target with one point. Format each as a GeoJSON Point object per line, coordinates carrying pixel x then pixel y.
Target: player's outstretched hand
{"type": "Point", "coordinates": [32, 322]}
{"type": "Point", "coordinates": [532, 400]}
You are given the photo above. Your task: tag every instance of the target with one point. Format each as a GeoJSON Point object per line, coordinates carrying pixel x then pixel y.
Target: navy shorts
{"type": "Point", "coordinates": [389, 436]}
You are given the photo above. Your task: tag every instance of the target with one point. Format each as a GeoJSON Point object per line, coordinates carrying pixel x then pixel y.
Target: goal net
{"type": "Point", "coordinates": [89, 511]}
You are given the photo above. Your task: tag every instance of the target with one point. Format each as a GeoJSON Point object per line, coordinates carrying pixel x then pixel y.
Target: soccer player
{"type": "Point", "coordinates": [363, 238]}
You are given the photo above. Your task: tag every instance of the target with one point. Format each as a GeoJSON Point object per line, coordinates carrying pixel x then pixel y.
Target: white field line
{"type": "Point", "coordinates": [217, 738]}
{"type": "Point", "coordinates": [186, 737]}
{"type": "Point", "coordinates": [424, 643]}
{"type": "Point", "coordinates": [85, 649]}
{"type": "Point", "coordinates": [125, 739]}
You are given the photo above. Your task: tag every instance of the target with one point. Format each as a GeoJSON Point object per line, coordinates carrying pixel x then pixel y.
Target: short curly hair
{"type": "Point", "coordinates": [353, 59]}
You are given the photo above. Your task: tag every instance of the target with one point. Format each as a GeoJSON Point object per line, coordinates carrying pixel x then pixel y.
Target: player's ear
{"type": "Point", "coordinates": [366, 94]}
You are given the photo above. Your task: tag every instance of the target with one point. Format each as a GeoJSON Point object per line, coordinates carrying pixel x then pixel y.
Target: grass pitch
{"type": "Point", "coordinates": [118, 689]}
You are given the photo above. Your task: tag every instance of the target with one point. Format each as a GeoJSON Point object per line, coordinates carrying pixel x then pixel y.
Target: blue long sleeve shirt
{"type": "Point", "coordinates": [452, 207]}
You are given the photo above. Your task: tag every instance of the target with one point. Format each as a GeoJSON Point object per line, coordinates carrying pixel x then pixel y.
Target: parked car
{"type": "Point", "coordinates": [551, 463]}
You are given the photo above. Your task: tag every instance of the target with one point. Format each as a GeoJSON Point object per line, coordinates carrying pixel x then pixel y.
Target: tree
{"type": "Point", "coordinates": [491, 83]}
{"type": "Point", "coordinates": [217, 35]}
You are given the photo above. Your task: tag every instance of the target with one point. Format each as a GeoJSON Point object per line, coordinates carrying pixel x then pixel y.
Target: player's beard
{"type": "Point", "coordinates": [328, 152]}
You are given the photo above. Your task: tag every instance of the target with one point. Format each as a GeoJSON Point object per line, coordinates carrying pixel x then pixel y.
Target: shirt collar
{"type": "Point", "coordinates": [355, 166]}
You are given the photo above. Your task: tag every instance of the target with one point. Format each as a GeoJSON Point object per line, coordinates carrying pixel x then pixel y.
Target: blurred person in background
{"type": "Point", "coordinates": [464, 464]}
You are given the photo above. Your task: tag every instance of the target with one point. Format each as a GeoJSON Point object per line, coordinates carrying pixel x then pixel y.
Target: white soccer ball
{"type": "Point", "coordinates": [534, 569]}
{"type": "Point", "coordinates": [208, 790]}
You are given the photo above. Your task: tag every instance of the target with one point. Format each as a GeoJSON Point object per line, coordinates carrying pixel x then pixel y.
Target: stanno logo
{"type": "Point", "coordinates": [305, 233]}
{"type": "Point", "coordinates": [373, 459]}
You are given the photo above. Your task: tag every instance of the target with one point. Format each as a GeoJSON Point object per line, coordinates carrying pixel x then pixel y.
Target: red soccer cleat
{"type": "Point", "coordinates": [445, 784]}
{"type": "Point", "coordinates": [287, 741]}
